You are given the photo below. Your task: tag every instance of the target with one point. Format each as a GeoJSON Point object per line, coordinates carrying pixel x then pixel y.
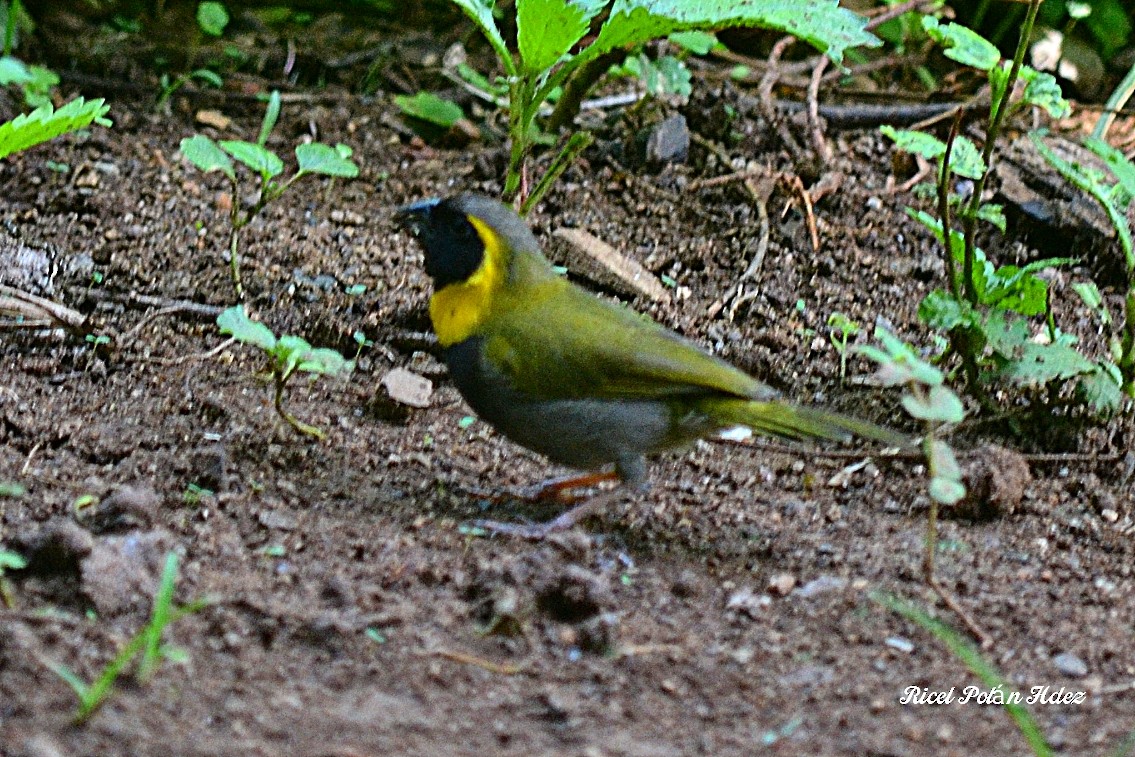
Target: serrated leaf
{"type": "Point", "coordinates": [946, 491]}
{"type": "Point", "coordinates": [206, 155]}
{"type": "Point", "coordinates": [965, 159]}
{"type": "Point", "coordinates": [919, 142]}
{"type": "Point", "coordinates": [324, 159]}
{"type": "Point", "coordinates": [994, 214]}
{"type": "Point", "coordinates": [821, 23]}
{"type": "Point", "coordinates": [45, 123]}
{"type": "Point", "coordinates": [1044, 363]}
{"type": "Point", "coordinates": [1116, 161]}
{"type": "Point", "coordinates": [547, 29]}
{"type": "Point", "coordinates": [428, 107]}
{"type": "Point", "coordinates": [235, 322]}
{"type": "Point", "coordinates": [1102, 389]}
{"type": "Point", "coordinates": [941, 310]}
{"type": "Point", "coordinates": [260, 159]}
{"type": "Point", "coordinates": [481, 12]}
{"type": "Point", "coordinates": [1043, 91]}
{"type": "Point", "coordinates": [961, 44]}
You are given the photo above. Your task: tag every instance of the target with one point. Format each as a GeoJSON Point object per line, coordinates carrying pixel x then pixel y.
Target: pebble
{"type": "Point", "coordinates": [1070, 665]}
{"type": "Point", "coordinates": [408, 387]}
{"type": "Point", "coordinates": [897, 642]}
{"type": "Point", "coordinates": [821, 585]}
{"type": "Point", "coordinates": [782, 584]}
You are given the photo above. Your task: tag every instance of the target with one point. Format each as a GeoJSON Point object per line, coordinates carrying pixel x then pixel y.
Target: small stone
{"type": "Point", "coordinates": [821, 585]}
{"type": "Point", "coordinates": [747, 602]}
{"type": "Point", "coordinates": [276, 520]}
{"type": "Point", "coordinates": [668, 141]}
{"type": "Point", "coordinates": [782, 584]}
{"type": "Point", "coordinates": [214, 118]}
{"type": "Point", "coordinates": [1111, 516]}
{"type": "Point", "coordinates": [407, 387]}
{"type": "Point", "coordinates": [897, 642]}
{"type": "Point", "coordinates": [1070, 665]}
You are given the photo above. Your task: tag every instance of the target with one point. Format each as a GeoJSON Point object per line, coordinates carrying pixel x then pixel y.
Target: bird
{"type": "Point", "coordinates": [586, 382]}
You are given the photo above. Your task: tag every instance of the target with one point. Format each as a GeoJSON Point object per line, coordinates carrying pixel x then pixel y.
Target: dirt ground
{"type": "Point", "coordinates": [725, 612]}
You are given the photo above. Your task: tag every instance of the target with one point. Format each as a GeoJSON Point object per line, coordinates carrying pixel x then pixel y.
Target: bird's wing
{"type": "Point", "coordinates": [560, 342]}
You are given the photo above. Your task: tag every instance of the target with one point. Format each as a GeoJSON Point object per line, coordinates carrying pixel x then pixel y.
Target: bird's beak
{"type": "Point", "coordinates": [412, 217]}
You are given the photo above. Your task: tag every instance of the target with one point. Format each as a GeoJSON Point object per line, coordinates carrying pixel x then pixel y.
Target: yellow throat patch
{"type": "Point", "coordinates": [459, 309]}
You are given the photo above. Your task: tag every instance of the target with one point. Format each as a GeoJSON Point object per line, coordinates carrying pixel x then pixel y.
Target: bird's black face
{"type": "Point", "coordinates": [453, 248]}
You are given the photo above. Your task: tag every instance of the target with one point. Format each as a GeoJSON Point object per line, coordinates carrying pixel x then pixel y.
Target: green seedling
{"type": "Point", "coordinates": [552, 62]}
{"type": "Point", "coordinates": [429, 113]}
{"type": "Point", "coordinates": [287, 355]}
{"type": "Point", "coordinates": [981, 667]}
{"type": "Point", "coordinates": [9, 561]}
{"type": "Point", "coordinates": [146, 645]}
{"type": "Point", "coordinates": [362, 342]}
{"type": "Point", "coordinates": [985, 308]}
{"type": "Point", "coordinates": [46, 123]}
{"type": "Point", "coordinates": [312, 159]}
{"type": "Point", "coordinates": [169, 87]}
{"type": "Point", "coordinates": [193, 495]}
{"type": "Point", "coordinates": [841, 330]}
{"type": "Point", "coordinates": [929, 400]}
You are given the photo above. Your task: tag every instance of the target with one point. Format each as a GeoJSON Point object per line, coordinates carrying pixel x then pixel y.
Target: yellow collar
{"type": "Point", "coordinates": [458, 310]}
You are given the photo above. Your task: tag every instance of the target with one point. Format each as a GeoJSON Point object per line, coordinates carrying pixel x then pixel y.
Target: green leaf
{"type": "Point", "coordinates": [481, 12]}
{"type": "Point", "coordinates": [940, 404]}
{"type": "Point", "coordinates": [1025, 361]}
{"type": "Point", "coordinates": [431, 108]}
{"type": "Point", "coordinates": [941, 310]}
{"type": "Point", "coordinates": [1043, 91]}
{"type": "Point", "coordinates": [1116, 161]}
{"type": "Point", "coordinates": [235, 322]}
{"type": "Point", "coordinates": [696, 42]}
{"type": "Point", "coordinates": [324, 361]}
{"type": "Point", "coordinates": [212, 17]}
{"type": "Point", "coordinates": [206, 155]}
{"type": "Point", "coordinates": [919, 142]}
{"type": "Point", "coordinates": [992, 213]}
{"type": "Point", "coordinates": [1091, 296]}
{"type": "Point", "coordinates": [259, 159]}
{"type": "Point", "coordinates": [45, 123]}
{"type": "Point", "coordinates": [665, 76]}
{"type": "Point", "coordinates": [962, 45]}
{"type": "Point", "coordinates": [324, 159]}
{"type": "Point", "coordinates": [946, 491]}
{"type": "Point", "coordinates": [965, 159]}
{"type": "Point", "coordinates": [547, 29]}
{"type": "Point", "coordinates": [898, 362]}
{"type": "Point", "coordinates": [1102, 388]}
{"type": "Point", "coordinates": [821, 23]}
{"type": "Point", "coordinates": [11, 561]}
{"type": "Point", "coordinates": [271, 116]}
{"type": "Point", "coordinates": [942, 461]}
{"type": "Point", "coordinates": [289, 351]}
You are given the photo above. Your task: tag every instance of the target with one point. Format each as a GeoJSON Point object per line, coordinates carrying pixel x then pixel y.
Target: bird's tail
{"type": "Point", "coordinates": [795, 422]}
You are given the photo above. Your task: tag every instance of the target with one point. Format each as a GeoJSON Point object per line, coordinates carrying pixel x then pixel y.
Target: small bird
{"type": "Point", "coordinates": [588, 383]}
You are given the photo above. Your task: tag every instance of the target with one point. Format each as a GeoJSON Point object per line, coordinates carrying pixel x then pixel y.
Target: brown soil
{"type": "Point", "coordinates": [727, 611]}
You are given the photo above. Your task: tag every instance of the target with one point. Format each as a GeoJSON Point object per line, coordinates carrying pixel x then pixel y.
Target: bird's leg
{"type": "Point", "coordinates": [562, 522]}
{"type": "Point", "coordinates": [552, 490]}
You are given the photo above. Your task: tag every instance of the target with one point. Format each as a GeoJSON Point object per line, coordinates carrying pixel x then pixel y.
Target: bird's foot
{"type": "Point", "coordinates": [541, 531]}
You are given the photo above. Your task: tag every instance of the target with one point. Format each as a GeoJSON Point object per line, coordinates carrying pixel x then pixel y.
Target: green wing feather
{"type": "Point", "coordinates": [557, 341]}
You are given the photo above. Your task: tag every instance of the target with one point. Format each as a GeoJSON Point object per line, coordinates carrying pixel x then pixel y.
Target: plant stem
{"type": "Point", "coordinates": [944, 208]}
{"type": "Point", "coordinates": [15, 7]}
{"type": "Point", "coordinates": [292, 421]}
{"type": "Point", "coordinates": [578, 142]}
{"type": "Point", "coordinates": [997, 110]}
{"type": "Point", "coordinates": [579, 84]}
{"type": "Point", "coordinates": [1127, 351]}
{"type": "Point", "coordinates": [519, 93]}
{"type": "Point", "coordinates": [235, 224]}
